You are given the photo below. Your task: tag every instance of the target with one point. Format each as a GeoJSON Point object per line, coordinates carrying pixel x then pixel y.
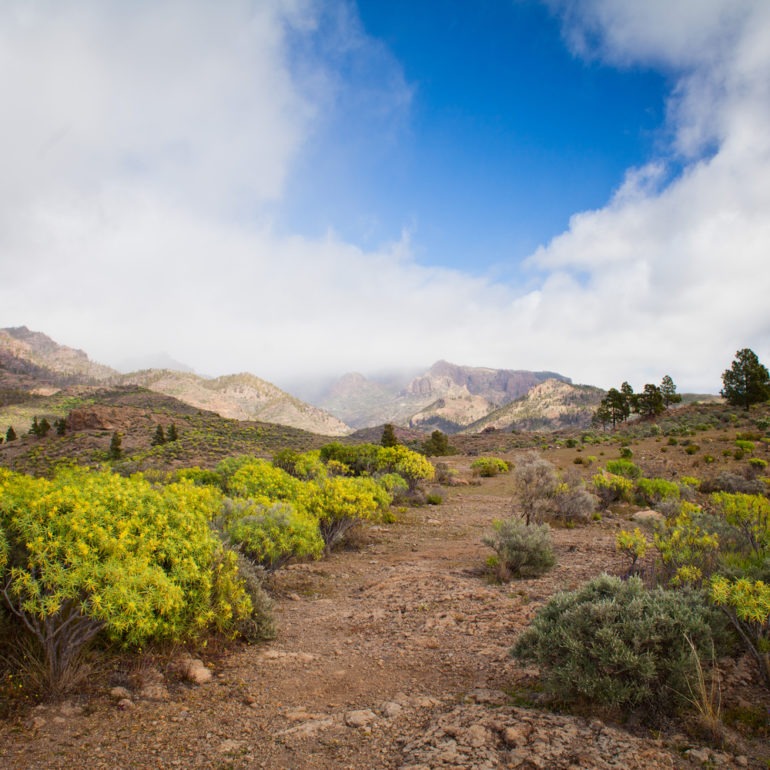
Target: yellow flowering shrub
{"type": "Point", "coordinates": [93, 551]}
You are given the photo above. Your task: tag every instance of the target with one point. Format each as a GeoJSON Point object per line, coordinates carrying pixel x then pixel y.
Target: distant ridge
{"type": "Point", "coordinates": [34, 362]}
{"type": "Point", "coordinates": [447, 396]}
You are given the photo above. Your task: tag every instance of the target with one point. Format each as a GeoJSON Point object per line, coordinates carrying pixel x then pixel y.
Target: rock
{"type": "Point", "coordinates": [193, 670]}
{"type": "Point", "coordinates": [391, 709]}
{"type": "Point", "coordinates": [699, 755]}
{"type": "Point", "coordinates": [229, 746]}
{"type": "Point", "coordinates": [477, 735]}
{"type": "Point", "coordinates": [154, 692]}
{"type": "Point", "coordinates": [124, 704]}
{"type": "Point", "coordinates": [648, 517]}
{"type": "Point", "coordinates": [199, 675]}
{"type": "Point", "coordinates": [119, 693]}
{"type": "Point", "coordinates": [742, 761]}
{"type": "Point", "coordinates": [309, 729]}
{"type": "Point", "coordinates": [517, 735]}
{"type": "Point", "coordinates": [360, 718]}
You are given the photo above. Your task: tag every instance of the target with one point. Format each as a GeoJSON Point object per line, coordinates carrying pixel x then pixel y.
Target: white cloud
{"type": "Point", "coordinates": [675, 273]}
{"type": "Point", "coordinates": [146, 144]}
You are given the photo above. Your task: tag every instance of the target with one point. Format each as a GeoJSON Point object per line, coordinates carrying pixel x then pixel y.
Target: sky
{"type": "Point", "coordinates": [303, 188]}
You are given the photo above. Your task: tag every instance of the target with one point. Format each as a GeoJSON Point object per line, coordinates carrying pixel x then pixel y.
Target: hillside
{"type": "Point", "coordinates": [446, 396]}
{"type": "Point", "coordinates": [551, 405]}
{"type": "Point", "coordinates": [32, 359]}
{"type": "Point", "coordinates": [94, 414]}
{"type": "Point", "coordinates": [239, 397]}
{"type": "Point", "coordinates": [31, 363]}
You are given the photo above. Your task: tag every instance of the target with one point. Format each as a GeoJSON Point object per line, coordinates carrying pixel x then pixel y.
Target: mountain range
{"type": "Point", "coordinates": [448, 397]}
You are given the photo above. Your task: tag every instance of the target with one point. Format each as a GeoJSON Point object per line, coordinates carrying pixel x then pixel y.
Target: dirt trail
{"type": "Point", "coordinates": [391, 656]}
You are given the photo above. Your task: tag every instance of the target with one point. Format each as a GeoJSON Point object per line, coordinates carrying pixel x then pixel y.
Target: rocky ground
{"type": "Point", "coordinates": [392, 655]}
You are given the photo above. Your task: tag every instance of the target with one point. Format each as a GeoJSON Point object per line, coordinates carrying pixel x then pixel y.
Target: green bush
{"type": "Point", "coordinates": [489, 466]}
{"type": "Point", "coordinates": [433, 498]}
{"type": "Point", "coordinates": [757, 463]}
{"type": "Point", "coordinates": [611, 488]}
{"type": "Point", "coordinates": [271, 535]}
{"type": "Point", "coordinates": [614, 643]}
{"type": "Point", "coordinates": [652, 491]}
{"type": "Point", "coordinates": [624, 468]}
{"type": "Point", "coordinates": [692, 449]}
{"type": "Point", "coordinates": [521, 550]}
{"type": "Point", "coordinates": [626, 453]}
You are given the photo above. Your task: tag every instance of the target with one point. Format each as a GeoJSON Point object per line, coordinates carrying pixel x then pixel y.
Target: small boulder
{"type": "Point", "coordinates": [648, 518]}
{"type": "Point", "coordinates": [360, 718]}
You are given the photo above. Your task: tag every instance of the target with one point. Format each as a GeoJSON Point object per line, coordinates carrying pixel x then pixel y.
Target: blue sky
{"type": "Point", "coordinates": [302, 188]}
{"type": "Point", "coordinates": [503, 135]}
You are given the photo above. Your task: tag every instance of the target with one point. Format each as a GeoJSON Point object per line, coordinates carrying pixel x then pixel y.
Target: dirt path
{"type": "Point", "coordinates": [391, 656]}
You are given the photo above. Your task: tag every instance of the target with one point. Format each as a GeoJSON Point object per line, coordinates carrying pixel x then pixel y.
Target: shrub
{"type": "Point", "coordinates": [692, 449]}
{"type": "Point", "coordinates": [747, 605]}
{"type": "Point", "coordinates": [489, 466]}
{"type": "Point", "coordinates": [572, 503]}
{"type": "Point", "coordinates": [522, 551]}
{"type": "Point", "coordinates": [444, 474]}
{"type": "Point", "coordinates": [341, 503]}
{"type": "Point", "coordinates": [624, 468]}
{"type": "Point", "coordinates": [259, 626]}
{"type": "Point", "coordinates": [273, 534]}
{"type": "Point", "coordinates": [611, 488]}
{"type": "Point", "coordinates": [626, 453]}
{"type": "Point", "coordinates": [536, 483]}
{"type": "Point", "coordinates": [732, 482]}
{"type": "Point", "coordinates": [652, 491]}
{"type": "Point", "coordinates": [750, 514]}
{"type": "Point", "coordinates": [261, 480]}
{"type": "Point", "coordinates": [747, 447]}
{"type": "Point", "coordinates": [91, 553]}
{"type": "Point", "coordinates": [433, 498]}
{"type": "Point", "coordinates": [617, 644]}
{"type": "Point", "coordinates": [689, 550]}
{"type": "Point", "coordinates": [757, 464]}
{"type": "Point", "coordinates": [633, 544]}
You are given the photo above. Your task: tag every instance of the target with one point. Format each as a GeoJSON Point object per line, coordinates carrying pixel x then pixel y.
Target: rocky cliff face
{"type": "Point", "coordinates": [447, 396]}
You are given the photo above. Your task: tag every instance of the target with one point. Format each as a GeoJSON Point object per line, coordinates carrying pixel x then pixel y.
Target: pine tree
{"type": "Point", "coordinates": [668, 391]}
{"type": "Point", "coordinates": [747, 381]}
{"type": "Point", "coordinates": [116, 446]}
{"type": "Point", "coordinates": [61, 426]}
{"type": "Point", "coordinates": [43, 427]}
{"type": "Point", "coordinates": [35, 429]}
{"type": "Point", "coordinates": [159, 437]}
{"type": "Point", "coordinates": [437, 445]}
{"type": "Point", "coordinates": [388, 435]}
{"type": "Point", "coordinates": [650, 401]}
{"type": "Point", "coordinates": [10, 434]}
{"type": "Point", "coordinates": [171, 433]}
